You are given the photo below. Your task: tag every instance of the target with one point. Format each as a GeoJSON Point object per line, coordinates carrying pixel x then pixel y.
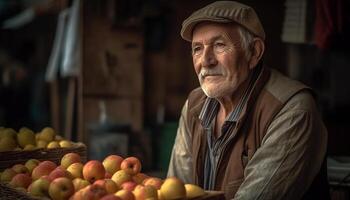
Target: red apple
{"type": "Point", "coordinates": [61, 188]}
{"type": "Point", "coordinates": [44, 168]}
{"type": "Point", "coordinates": [93, 170]}
{"type": "Point", "coordinates": [112, 163]}
{"type": "Point", "coordinates": [110, 197]}
{"type": "Point", "coordinates": [93, 192]}
{"type": "Point", "coordinates": [154, 181]}
{"type": "Point", "coordinates": [108, 175]}
{"type": "Point", "coordinates": [129, 185]}
{"type": "Point", "coordinates": [131, 165]}
{"type": "Point", "coordinates": [69, 159]}
{"type": "Point", "coordinates": [21, 180]}
{"type": "Point", "coordinates": [110, 186]}
{"type": "Point", "coordinates": [125, 195]}
{"type": "Point", "coordinates": [59, 172]}
{"type": "Point", "coordinates": [145, 192]}
{"type": "Point", "coordinates": [139, 178]}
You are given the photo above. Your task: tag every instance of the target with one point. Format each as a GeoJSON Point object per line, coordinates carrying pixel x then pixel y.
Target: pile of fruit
{"type": "Point", "coordinates": [26, 139]}
{"type": "Point", "coordinates": [115, 178]}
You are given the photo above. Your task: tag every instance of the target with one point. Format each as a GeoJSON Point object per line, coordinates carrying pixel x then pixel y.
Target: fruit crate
{"type": "Point", "coordinates": [10, 158]}
{"type": "Point", "coordinates": [9, 193]}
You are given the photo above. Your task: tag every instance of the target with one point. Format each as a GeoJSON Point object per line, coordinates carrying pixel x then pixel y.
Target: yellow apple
{"type": "Point", "coordinates": [7, 143]}
{"type": "Point", "coordinates": [112, 163]}
{"type": "Point", "coordinates": [173, 188]}
{"type": "Point", "coordinates": [125, 195]}
{"type": "Point", "coordinates": [7, 175]}
{"type": "Point", "coordinates": [53, 145]}
{"type": "Point", "coordinates": [39, 187]}
{"type": "Point", "coordinates": [47, 134]}
{"type": "Point", "coordinates": [69, 159]}
{"type": "Point", "coordinates": [8, 132]}
{"type": "Point", "coordinates": [80, 183]}
{"type": "Point", "coordinates": [120, 177]}
{"type": "Point", "coordinates": [66, 144]}
{"type": "Point", "coordinates": [193, 191]}
{"type": "Point", "coordinates": [61, 188]}
{"type": "Point", "coordinates": [25, 137]}
{"type": "Point", "coordinates": [76, 169]}
{"type": "Point", "coordinates": [29, 147]}
{"type": "Point", "coordinates": [41, 144]}
{"type": "Point", "coordinates": [31, 164]}
{"type": "Point", "coordinates": [20, 169]}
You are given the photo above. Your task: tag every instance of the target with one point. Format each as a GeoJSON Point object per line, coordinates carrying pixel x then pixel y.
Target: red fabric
{"type": "Point", "coordinates": [329, 21]}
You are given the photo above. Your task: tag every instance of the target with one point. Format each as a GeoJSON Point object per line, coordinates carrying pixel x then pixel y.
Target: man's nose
{"type": "Point", "coordinates": [208, 57]}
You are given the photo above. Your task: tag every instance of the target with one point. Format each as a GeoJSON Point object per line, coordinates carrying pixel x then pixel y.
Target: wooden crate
{"type": "Point", "coordinates": [10, 158]}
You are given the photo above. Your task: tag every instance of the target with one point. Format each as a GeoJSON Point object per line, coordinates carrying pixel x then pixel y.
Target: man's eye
{"type": "Point", "coordinates": [219, 47]}
{"type": "Point", "coordinates": [196, 50]}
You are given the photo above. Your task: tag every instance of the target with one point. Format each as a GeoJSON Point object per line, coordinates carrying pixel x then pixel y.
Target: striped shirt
{"type": "Point", "coordinates": [208, 118]}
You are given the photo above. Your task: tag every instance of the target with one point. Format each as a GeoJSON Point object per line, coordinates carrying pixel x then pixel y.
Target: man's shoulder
{"type": "Point", "coordinates": [283, 87]}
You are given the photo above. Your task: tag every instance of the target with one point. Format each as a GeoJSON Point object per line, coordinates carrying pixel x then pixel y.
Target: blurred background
{"type": "Point", "coordinates": [115, 74]}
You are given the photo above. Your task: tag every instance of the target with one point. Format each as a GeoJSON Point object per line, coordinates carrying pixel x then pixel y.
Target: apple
{"type": "Point", "coordinates": [29, 147]}
{"type": "Point", "coordinates": [7, 143]}
{"type": "Point", "coordinates": [69, 159]}
{"type": "Point", "coordinates": [76, 169]}
{"type": "Point", "coordinates": [131, 165]}
{"type": "Point", "coordinates": [7, 175]}
{"type": "Point", "coordinates": [112, 163]}
{"type": "Point", "coordinates": [108, 184]}
{"type": "Point", "coordinates": [59, 172]}
{"type": "Point", "coordinates": [125, 195]}
{"type": "Point", "coordinates": [139, 178]}
{"type": "Point", "coordinates": [110, 197]}
{"type": "Point", "coordinates": [160, 197]}
{"type": "Point", "coordinates": [93, 170]}
{"type": "Point", "coordinates": [31, 164]}
{"type": "Point", "coordinates": [25, 137]}
{"type": "Point", "coordinates": [20, 169]}
{"type": "Point", "coordinates": [80, 183]}
{"type": "Point", "coordinates": [173, 188]}
{"type": "Point", "coordinates": [120, 177]}
{"type": "Point", "coordinates": [65, 144]}
{"type": "Point", "coordinates": [129, 185]}
{"type": "Point", "coordinates": [93, 192]}
{"type": "Point", "coordinates": [40, 187]}
{"type": "Point", "coordinates": [47, 134]}
{"type": "Point", "coordinates": [193, 191]}
{"type": "Point", "coordinates": [41, 144]}
{"type": "Point", "coordinates": [145, 192]}
{"type": "Point", "coordinates": [21, 180]}
{"type": "Point", "coordinates": [44, 168]}
{"type": "Point", "coordinates": [108, 175]}
{"type": "Point", "coordinates": [154, 181]}
{"type": "Point", "coordinates": [61, 188]}
{"type": "Point", "coordinates": [53, 145]}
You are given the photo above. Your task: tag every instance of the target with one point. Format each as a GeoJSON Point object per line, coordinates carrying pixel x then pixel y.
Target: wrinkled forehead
{"type": "Point", "coordinates": [205, 31]}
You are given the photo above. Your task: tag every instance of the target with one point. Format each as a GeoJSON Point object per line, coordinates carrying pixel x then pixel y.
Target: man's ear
{"type": "Point", "coordinates": [258, 49]}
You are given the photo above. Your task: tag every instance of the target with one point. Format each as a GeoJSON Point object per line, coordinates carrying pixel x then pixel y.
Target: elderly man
{"type": "Point", "coordinates": [248, 130]}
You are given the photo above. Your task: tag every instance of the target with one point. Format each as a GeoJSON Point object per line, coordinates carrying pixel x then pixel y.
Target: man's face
{"type": "Point", "coordinates": [218, 59]}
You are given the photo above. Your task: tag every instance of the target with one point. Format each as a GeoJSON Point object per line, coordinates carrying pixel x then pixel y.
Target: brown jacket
{"type": "Point", "coordinates": [269, 95]}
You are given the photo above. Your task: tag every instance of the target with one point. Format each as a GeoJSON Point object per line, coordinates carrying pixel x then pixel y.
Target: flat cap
{"type": "Point", "coordinates": [224, 12]}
